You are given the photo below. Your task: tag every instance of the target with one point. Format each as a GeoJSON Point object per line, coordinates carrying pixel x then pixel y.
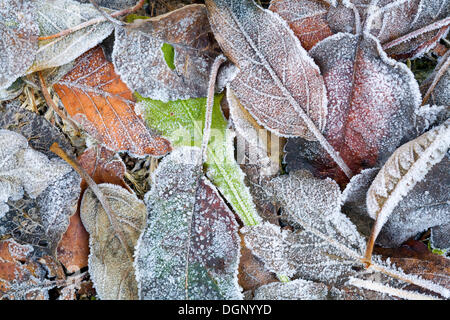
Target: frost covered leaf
{"type": "Point", "coordinates": [113, 4]}
{"type": "Point", "coordinates": [252, 272]}
{"type": "Point", "coordinates": [293, 290]}
{"type": "Point", "coordinates": [329, 246]}
{"type": "Point", "coordinates": [407, 167]}
{"type": "Point", "coordinates": [167, 57]}
{"type": "Point", "coordinates": [278, 83]}
{"type": "Point", "coordinates": [110, 266]}
{"type": "Point", "coordinates": [306, 18]}
{"type": "Point", "coordinates": [190, 247]}
{"type": "Point", "coordinates": [104, 166]}
{"type": "Point", "coordinates": [425, 206]}
{"type": "Point", "coordinates": [372, 100]}
{"type": "Point", "coordinates": [96, 98]}
{"type": "Point", "coordinates": [54, 16]}
{"type": "Point", "coordinates": [18, 32]}
{"type": "Point", "coordinates": [12, 91]}
{"type": "Point", "coordinates": [256, 138]}
{"type": "Point", "coordinates": [21, 278]}
{"type": "Point", "coordinates": [37, 195]}
{"type": "Point", "coordinates": [182, 123]}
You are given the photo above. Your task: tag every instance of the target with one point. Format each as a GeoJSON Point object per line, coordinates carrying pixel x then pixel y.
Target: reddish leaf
{"type": "Point", "coordinates": [306, 18]}
{"type": "Point", "coordinates": [96, 98]}
{"type": "Point", "coordinates": [104, 166]}
{"type": "Point", "coordinates": [371, 105]}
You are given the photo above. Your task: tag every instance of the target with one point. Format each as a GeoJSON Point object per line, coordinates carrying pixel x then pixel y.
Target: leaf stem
{"type": "Point", "coordinates": [91, 22]}
{"type": "Point", "coordinates": [51, 103]}
{"type": "Point", "coordinates": [55, 148]}
{"type": "Point", "coordinates": [209, 105]}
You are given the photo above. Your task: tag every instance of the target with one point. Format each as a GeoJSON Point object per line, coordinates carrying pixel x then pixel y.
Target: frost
{"type": "Point", "coordinates": [329, 246]}
{"type": "Point", "coordinates": [113, 4]}
{"type": "Point", "coordinates": [139, 59]}
{"type": "Point", "coordinates": [38, 195]}
{"type": "Point", "coordinates": [18, 32]}
{"type": "Point", "coordinates": [438, 83]}
{"type": "Point", "coordinates": [249, 131]}
{"type": "Point", "coordinates": [31, 125]}
{"type": "Point", "coordinates": [429, 115]}
{"type": "Point", "coordinates": [57, 15]}
{"type": "Point", "coordinates": [272, 245]}
{"type": "Point", "coordinates": [190, 247]}
{"type": "Point", "coordinates": [406, 28]}
{"type": "Point", "coordinates": [110, 267]}
{"type": "Point", "coordinates": [440, 237]}
{"type": "Point", "coordinates": [407, 166]}
{"type": "Point", "coordinates": [293, 290]}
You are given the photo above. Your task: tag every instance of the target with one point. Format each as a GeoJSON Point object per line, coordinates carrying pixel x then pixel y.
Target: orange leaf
{"type": "Point", "coordinates": [96, 98]}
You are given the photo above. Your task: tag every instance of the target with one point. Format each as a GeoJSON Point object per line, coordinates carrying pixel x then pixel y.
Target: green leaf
{"type": "Point", "coordinates": [182, 122]}
{"type": "Point", "coordinates": [169, 55]}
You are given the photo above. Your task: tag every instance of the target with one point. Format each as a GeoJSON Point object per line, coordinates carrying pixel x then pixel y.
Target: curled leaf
{"type": "Point", "coordinates": [407, 166]}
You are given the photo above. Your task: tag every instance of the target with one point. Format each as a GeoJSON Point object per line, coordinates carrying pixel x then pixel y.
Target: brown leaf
{"type": "Point", "coordinates": [307, 18]}
{"type": "Point", "coordinates": [104, 166]}
{"type": "Point", "coordinates": [406, 29]}
{"type": "Point", "coordinates": [96, 98]}
{"type": "Point", "coordinates": [252, 273]}
{"type": "Point", "coordinates": [111, 261]}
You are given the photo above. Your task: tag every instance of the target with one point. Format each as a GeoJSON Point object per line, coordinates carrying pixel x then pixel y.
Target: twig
{"type": "Point", "coordinates": [209, 105]}
{"type": "Point", "coordinates": [439, 74]}
{"type": "Point", "coordinates": [52, 104]}
{"type": "Point", "coordinates": [94, 21]}
{"type": "Point", "coordinates": [55, 148]}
